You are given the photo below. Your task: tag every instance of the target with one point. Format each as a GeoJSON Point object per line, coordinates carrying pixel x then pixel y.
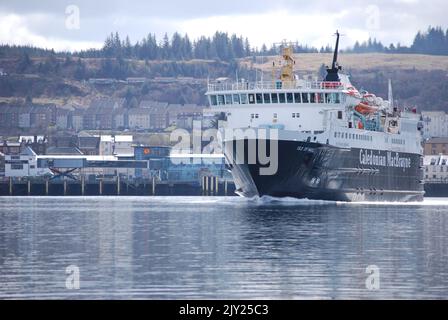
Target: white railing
{"type": "Point", "coordinates": [251, 86]}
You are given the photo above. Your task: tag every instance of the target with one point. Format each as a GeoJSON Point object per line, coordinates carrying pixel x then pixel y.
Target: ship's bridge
{"type": "Point", "coordinates": [294, 92]}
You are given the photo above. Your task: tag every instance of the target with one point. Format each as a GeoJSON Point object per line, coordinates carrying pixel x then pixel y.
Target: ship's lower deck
{"type": "Point", "coordinates": [316, 171]}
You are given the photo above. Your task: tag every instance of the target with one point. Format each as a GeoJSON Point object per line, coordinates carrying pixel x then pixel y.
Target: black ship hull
{"type": "Point", "coordinates": [323, 172]}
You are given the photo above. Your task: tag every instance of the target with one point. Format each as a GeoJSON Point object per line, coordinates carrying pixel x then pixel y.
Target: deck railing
{"type": "Point", "coordinates": [279, 85]}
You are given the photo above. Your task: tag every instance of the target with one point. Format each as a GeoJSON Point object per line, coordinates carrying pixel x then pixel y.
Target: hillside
{"type": "Point", "coordinates": [310, 62]}
{"type": "Point", "coordinates": [419, 80]}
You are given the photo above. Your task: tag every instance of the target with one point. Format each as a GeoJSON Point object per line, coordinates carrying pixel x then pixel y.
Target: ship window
{"type": "Point", "coordinates": [305, 98]}
{"type": "Point", "coordinates": [328, 98]}
{"type": "Point", "coordinates": [337, 97]}
{"type": "Point", "coordinates": [259, 97]}
{"type": "Point", "coordinates": [281, 98]}
{"type": "Point", "coordinates": [16, 166]}
{"type": "Point", "coordinates": [251, 98]}
{"type": "Point", "coordinates": [252, 116]}
{"type": "Point", "coordinates": [213, 100]}
{"type": "Point", "coordinates": [236, 99]}
{"type": "Point", "coordinates": [293, 115]}
{"type": "Point", "coordinates": [297, 98]}
{"type": "Point", "coordinates": [320, 98]}
{"type": "Point", "coordinates": [244, 99]}
{"type": "Point", "coordinates": [444, 162]}
{"type": "Point", "coordinates": [220, 100]}
{"type": "Point", "coordinates": [256, 116]}
{"type": "Point", "coordinates": [274, 97]}
{"type": "Point", "coordinates": [228, 99]}
{"type": "Point", "coordinates": [275, 115]}
{"type": "Point", "coordinates": [290, 98]}
{"type": "Point", "coordinates": [335, 135]}
{"type": "Point", "coordinates": [312, 98]}
{"type": "Point", "coordinates": [267, 98]}
{"type": "Point", "coordinates": [340, 115]}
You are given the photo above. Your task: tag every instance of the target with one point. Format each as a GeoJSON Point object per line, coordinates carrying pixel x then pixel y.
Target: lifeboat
{"type": "Point", "coordinates": [365, 108]}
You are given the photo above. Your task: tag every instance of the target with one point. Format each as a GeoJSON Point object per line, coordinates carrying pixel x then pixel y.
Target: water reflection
{"type": "Point", "coordinates": [192, 248]}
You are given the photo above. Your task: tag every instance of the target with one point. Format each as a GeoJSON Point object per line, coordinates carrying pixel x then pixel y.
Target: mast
{"type": "Point", "coordinates": [333, 72]}
{"type": "Point", "coordinates": [391, 97]}
{"type": "Point", "coordinates": [336, 51]}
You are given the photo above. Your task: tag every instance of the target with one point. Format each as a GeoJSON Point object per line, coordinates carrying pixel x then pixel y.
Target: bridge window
{"type": "Point", "coordinates": [259, 97]}
{"type": "Point", "coordinates": [251, 98]}
{"type": "Point", "coordinates": [274, 98]}
{"type": "Point", "coordinates": [290, 98]}
{"type": "Point", "coordinates": [337, 98]}
{"type": "Point", "coordinates": [16, 166]}
{"type": "Point", "coordinates": [320, 98]}
{"type": "Point", "coordinates": [243, 98]}
{"type": "Point", "coordinates": [312, 98]}
{"type": "Point", "coordinates": [297, 98]}
{"type": "Point", "coordinates": [220, 100]}
{"type": "Point", "coordinates": [236, 99]}
{"type": "Point", "coordinates": [281, 97]}
{"type": "Point", "coordinates": [228, 99]}
{"type": "Point", "coordinates": [213, 100]}
{"type": "Point", "coordinates": [267, 98]}
{"type": "Point", "coordinates": [305, 98]}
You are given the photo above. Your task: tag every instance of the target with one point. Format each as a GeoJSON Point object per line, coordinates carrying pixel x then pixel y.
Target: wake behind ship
{"type": "Point", "coordinates": [317, 139]}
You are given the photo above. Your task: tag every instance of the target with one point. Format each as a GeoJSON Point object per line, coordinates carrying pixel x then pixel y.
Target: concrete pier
{"type": "Point", "coordinates": [206, 186]}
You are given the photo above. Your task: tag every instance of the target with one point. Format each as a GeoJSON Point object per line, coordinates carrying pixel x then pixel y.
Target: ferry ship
{"type": "Point", "coordinates": [323, 140]}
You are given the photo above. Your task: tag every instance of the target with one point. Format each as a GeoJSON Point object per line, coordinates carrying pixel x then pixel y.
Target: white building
{"type": "Point", "coordinates": [120, 145]}
{"type": "Point", "coordinates": [436, 168]}
{"type": "Point", "coordinates": [435, 124]}
{"type": "Point", "coordinates": [23, 165]}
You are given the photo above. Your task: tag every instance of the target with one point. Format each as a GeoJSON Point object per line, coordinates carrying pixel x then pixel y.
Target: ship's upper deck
{"type": "Point", "coordinates": [228, 86]}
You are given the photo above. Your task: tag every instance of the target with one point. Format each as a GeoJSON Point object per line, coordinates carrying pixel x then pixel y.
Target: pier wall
{"type": "Point", "coordinates": [209, 186]}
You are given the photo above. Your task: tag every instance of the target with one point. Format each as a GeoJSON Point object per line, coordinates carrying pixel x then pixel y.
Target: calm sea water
{"type": "Point", "coordinates": [221, 248]}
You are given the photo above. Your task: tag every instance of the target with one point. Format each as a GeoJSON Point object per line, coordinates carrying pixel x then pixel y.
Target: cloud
{"type": "Point", "coordinates": [16, 30]}
{"type": "Point", "coordinates": [262, 21]}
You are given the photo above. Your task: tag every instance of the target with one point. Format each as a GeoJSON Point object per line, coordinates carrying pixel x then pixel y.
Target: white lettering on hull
{"type": "Point", "coordinates": [378, 159]}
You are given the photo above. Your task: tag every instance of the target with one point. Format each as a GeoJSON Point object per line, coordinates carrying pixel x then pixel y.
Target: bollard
{"type": "Point", "coordinates": [118, 185]}
{"type": "Point", "coordinates": [153, 186]}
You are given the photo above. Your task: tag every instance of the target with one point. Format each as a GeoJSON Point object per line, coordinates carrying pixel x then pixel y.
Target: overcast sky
{"type": "Point", "coordinates": [55, 23]}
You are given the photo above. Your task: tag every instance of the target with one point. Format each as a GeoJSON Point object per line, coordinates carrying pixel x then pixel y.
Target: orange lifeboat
{"type": "Point", "coordinates": [365, 108]}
